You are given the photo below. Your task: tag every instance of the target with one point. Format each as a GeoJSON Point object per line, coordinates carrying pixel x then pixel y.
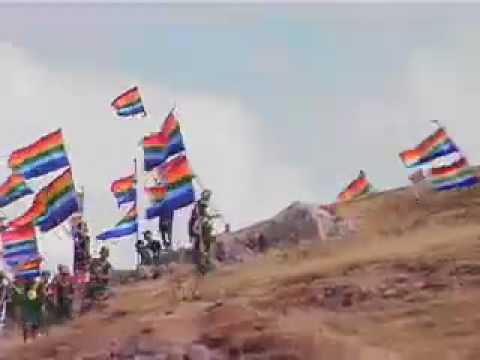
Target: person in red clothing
{"type": "Point", "coordinates": [62, 286]}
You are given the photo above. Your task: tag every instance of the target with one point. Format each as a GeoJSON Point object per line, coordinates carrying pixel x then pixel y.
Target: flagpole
{"type": "Point", "coordinates": [136, 206]}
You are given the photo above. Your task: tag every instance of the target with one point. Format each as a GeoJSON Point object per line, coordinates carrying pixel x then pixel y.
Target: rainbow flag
{"type": "Point", "coordinates": [163, 202]}
{"type": "Point", "coordinates": [45, 155]}
{"type": "Point", "coordinates": [175, 189]}
{"type": "Point", "coordinates": [434, 146]}
{"type": "Point", "coordinates": [124, 190]}
{"type": "Point", "coordinates": [155, 194]}
{"type": "Point", "coordinates": [28, 269]}
{"type": "Point", "coordinates": [129, 103]}
{"type": "Point", "coordinates": [127, 226]}
{"type": "Point", "coordinates": [37, 209]}
{"type": "Point", "coordinates": [20, 249]}
{"type": "Point", "coordinates": [358, 187]}
{"type": "Point", "coordinates": [13, 189]}
{"type": "Point", "coordinates": [454, 176]}
{"type": "Point", "coordinates": [175, 172]}
{"type": "Point", "coordinates": [158, 147]}
{"type": "Point", "coordinates": [61, 201]}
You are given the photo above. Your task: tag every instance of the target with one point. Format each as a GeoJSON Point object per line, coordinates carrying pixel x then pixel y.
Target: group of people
{"type": "Point", "coordinates": [37, 303]}
{"type": "Point", "coordinates": [200, 229]}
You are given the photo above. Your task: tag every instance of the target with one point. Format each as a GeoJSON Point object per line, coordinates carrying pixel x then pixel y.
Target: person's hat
{"type": "Point", "coordinates": [206, 194]}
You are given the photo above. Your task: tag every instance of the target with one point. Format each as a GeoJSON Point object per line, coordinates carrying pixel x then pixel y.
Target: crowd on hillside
{"type": "Point", "coordinates": [33, 305]}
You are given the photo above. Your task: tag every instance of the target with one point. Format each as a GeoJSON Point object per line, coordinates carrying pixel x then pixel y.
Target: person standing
{"type": "Point", "coordinates": [202, 228]}
{"type": "Point", "coordinates": [31, 310]}
{"type": "Point", "coordinates": [154, 246]}
{"type": "Point", "coordinates": [3, 299]}
{"type": "Point", "coordinates": [142, 250]}
{"type": "Point", "coordinates": [165, 227]}
{"type": "Point", "coordinates": [62, 285]}
{"type": "Point", "coordinates": [47, 306]}
{"type": "Point", "coordinates": [100, 270]}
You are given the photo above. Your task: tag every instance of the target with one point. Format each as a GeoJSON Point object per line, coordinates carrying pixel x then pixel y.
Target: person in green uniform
{"type": "Point", "coordinates": [100, 271]}
{"type": "Point", "coordinates": [203, 230]}
{"type": "Point", "coordinates": [31, 310]}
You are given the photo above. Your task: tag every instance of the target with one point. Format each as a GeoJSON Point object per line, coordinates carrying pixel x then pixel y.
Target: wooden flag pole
{"type": "Point", "coordinates": [137, 260]}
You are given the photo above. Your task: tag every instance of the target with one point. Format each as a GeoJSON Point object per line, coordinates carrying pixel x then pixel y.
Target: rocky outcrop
{"type": "Point", "coordinates": [299, 222]}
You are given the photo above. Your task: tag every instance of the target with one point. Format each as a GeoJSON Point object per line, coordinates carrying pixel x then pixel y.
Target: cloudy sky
{"type": "Point", "coordinates": [277, 102]}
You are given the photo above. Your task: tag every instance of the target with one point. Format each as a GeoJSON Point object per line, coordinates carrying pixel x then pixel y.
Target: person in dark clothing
{"type": "Point", "coordinates": [154, 246]}
{"type": "Point", "coordinates": [165, 227]}
{"type": "Point", "coordinates": [142, 250]}
{"type": "Point", "coordinates": [261, 242]}
{"type": "Point", "coordinates": [62, 285]}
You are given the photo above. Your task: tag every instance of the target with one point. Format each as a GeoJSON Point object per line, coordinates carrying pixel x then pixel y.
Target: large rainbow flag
{"type": "Point", "coordinates": [158, 147]}
{"type": "Point", "coordinates": [127, 226]}
{"type": "Point", "coordinates": [434, 146]}
{"type": "Point", "coordinates": [456, 175]}
{"type": "Point", "coordinates": [43, 156]}
{"type": "Point", "coordinates": [124, 190]}
{"type": "Point", "coordinates": [175, 172]}
{"type": "Point", "coordinates": [129, 103]}
{"type": "Point", "coordinates": [175, 189]}
{"type": "Point", "coordinates": [37, 209]}
{"type": "Point", "coordinates": [358, 187]}
{"type": "Point", "coordinates": [61, 201]}
{"type": "Point", "coordinates": [13, 189]}
{"type": "Point", "coordinates": [21, 251]}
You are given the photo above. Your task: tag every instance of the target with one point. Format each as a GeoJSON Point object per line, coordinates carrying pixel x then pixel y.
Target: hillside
{"type": "Point", "coordinates": [405, 284]}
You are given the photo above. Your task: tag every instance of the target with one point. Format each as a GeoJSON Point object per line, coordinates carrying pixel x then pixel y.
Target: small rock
{"type": "Point", "coordinates": [199, 352]}
{"type": "Point", "coordinates": [401, 278]}
{"type": "Point", "coordinates": [390, 293]}
{"type": "Point", "coordinates": [176, 353]}
{"type": "Point", "coordinates": [213, 306]}
{"type": "Point", "coordinates": [147, 345]}
{"type": "Point", "coordinates": [259, 327]}
{"type": "Point", "coordinates": [434, 285]}
{"type": "Point", "coordinates": [419, 284]}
